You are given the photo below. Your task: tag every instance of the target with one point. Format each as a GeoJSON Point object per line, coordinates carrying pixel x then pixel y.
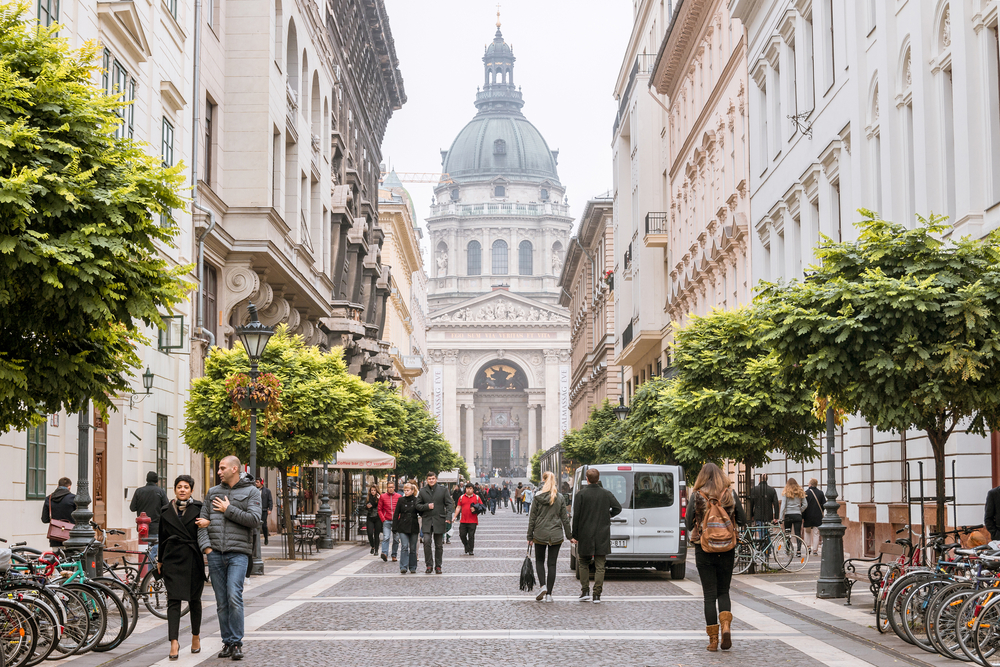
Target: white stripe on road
{"type": "Point", "coordinates": [395, 575]}
{"type": "Point", "coordinates": [501, 598]}
{"type": "Point", "coordinates": [317, 587]}
{"type": "Point", "coordinates": [563, 635]}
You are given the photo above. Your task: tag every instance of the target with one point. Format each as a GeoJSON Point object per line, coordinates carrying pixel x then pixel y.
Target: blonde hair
{"type": "Point", "coordinates": [713, 483]}
{"type": "Point", "coordinates": [407, 487]}
{"type": "Point", "coordinates": [793, 490]}
{"type": "Point", "coordinates": [549, 486]}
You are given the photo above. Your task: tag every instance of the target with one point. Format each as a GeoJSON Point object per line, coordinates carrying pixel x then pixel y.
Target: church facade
{"type": "Point", "coordinates": [498, 340]}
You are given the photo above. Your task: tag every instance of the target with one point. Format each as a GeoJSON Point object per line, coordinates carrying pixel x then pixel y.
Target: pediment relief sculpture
{"type": "Point", "coordinates": [500, 311]}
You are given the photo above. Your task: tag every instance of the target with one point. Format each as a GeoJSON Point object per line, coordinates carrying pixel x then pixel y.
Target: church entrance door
{"type": "Point", "coordinates": [501, 453]}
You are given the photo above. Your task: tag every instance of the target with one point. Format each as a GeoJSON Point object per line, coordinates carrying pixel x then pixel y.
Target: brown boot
{"type": "Point", "coordinates": [713, 637]}
{"type": "Point", "coordinates": [725, 625]}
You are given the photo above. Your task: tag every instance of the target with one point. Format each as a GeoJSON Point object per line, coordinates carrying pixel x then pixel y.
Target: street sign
{"type": "Point", "coordinates": [293, 471]}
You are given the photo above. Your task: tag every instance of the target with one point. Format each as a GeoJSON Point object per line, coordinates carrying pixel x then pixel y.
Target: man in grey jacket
{"type": "Point", "coordinates": [229, 518]}
{"type": "Point", "coordinates": [435, 506]}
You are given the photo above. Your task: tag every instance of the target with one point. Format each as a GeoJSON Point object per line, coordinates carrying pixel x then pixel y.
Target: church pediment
{"type": "Point", "coordinates": [501, 306]}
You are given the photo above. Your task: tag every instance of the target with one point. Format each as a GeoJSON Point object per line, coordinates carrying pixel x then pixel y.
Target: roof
{"type": "Point", "coordinates": [523, 155]}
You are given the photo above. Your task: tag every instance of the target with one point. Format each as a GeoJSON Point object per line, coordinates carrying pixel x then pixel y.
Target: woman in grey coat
{"type": "Point", "coordinates": [548, 521]}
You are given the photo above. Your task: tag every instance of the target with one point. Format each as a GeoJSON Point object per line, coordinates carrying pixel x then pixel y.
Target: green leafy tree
{"type": "Point", "coordinates": [536, 467]}
{"type": "Point", "coordinates": [423, 447]}
{"type": "Point", "coordinates": [79, 269]}
{"type": "Point", "coordinates": [643, 440]}
{"type": "Point", "coordinates": [601, 439]}
{"type": "Point", "coordinates": [389, 418]}
{"type": "Point", "coordinates": [323, 407]}
{"type": "Point", "coordinates": [732, 398]}
{"type": "Point", "coordinates": [901, 327]}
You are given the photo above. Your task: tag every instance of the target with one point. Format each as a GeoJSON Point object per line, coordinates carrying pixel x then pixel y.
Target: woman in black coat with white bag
{"type": "Point", "coordinates": [180, 562]}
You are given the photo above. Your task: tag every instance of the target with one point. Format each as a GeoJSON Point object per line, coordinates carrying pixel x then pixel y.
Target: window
{"type": "Point", "coordinates": [545, 194]}
{"type": "Point", "coordinates": [524, 258]}
{"type": "Point", "coordinates": [499, 147]}
{"type": "Point", "coordinates": [37, 456]}
{"type": "Point", "coordinates": [167, 143]}
{"type": "Point", "coordinates": [809, 60]}
{"type": "Point", "coordinates": [475, 258]}
{"type": "Point", "coordinates": [653, 490]}
{"type": "Point", "coordinates": [210, 291]}
{"type": "Point", "coordinates": [454, 194]}
{"type": "Point", "coordinates": [209, 140]}
{"type": "Point", "coordinates": [48, 12]}
{"type": "Point", "coordinates": [499, 191]}
{"type": "Point", "coordinates": [499, 258]}
{"type": "Point", "coordinates": [172, 6]}
{"type": "Point", "coordinates": [117, 81]}
{"type": "Point", "coordinates": [828, 46]}
{"type": "Point", "coordinates": [161, 449]}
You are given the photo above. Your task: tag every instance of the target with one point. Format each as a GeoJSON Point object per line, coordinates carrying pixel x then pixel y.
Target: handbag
{"type": "Point", "coordinates": [527, 573]}
{"type": "Point", "coordinates": [58, 529]}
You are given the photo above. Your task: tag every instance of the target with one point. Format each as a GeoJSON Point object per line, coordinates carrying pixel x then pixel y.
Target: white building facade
{"type": "Point", "coordinates": [891, 106]}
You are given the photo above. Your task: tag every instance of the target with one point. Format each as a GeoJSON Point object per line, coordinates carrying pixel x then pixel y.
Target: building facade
{"type": "Point", "coordinates": [498, 340]}
{"type": "Point", "coordinates": [893, 107]}
{"type": "Point", "coordinates": [145, 57]}
{"type": "Point", "coordinates": [407, 287]}
{"type": "Point", "coordinates": [587, 288]}
{"type": "Point", "coordinates": [701, 71]}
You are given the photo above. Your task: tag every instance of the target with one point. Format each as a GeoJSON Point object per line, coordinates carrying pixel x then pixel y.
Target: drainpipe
{"type": "Point", "coordinates": [200, 330]}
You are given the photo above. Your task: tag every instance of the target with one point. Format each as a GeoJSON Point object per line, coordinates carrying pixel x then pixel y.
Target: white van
{"type": "Point", "coordinates": [650, 531]}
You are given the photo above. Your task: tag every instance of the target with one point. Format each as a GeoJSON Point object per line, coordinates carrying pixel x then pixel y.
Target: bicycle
{"type": "Point", "coordinates": [759, 544]}
{"type": "Point", "coordinates": [139, 577]}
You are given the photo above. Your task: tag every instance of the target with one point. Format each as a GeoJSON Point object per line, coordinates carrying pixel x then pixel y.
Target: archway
{"type": "Point", "coordinates": [501, 421]}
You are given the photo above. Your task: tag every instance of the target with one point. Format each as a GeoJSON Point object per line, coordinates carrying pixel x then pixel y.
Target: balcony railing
{"type": "Point", "coordinates": [627, 336]}
{"type": "Point", "coordinates": [500, 209]}
{"type": "Point", "coordinates": [644, 63]}
{"type": "Point", "coordinates": [656, 223]}
{"type": "Point", "coordinates": [628, 257]}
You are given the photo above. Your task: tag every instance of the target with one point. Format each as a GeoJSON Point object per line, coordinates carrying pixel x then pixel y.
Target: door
{"type": "Point", "coordinates": [656, 513]}
{"type": "Point", "coordinates": [500, 450]}
{"type": "Point", "coordinates": [100, 488]}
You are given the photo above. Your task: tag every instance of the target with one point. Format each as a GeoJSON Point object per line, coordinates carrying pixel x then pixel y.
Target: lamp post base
{"type": "Point", "coordinates": [832, 583]}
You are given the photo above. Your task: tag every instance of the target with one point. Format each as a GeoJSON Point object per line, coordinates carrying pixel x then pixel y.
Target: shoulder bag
{"type": "Point", "coordinates": [58, 529]}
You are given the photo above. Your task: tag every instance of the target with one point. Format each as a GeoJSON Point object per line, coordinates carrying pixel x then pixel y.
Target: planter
{"type": "Point", "coordinates": [251, 404]}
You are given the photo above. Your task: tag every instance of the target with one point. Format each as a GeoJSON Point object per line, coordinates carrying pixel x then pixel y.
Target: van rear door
{"type": "Point", "coordinates": [655, 498]}
{"type": "Point", "coordinates": [619, 482]}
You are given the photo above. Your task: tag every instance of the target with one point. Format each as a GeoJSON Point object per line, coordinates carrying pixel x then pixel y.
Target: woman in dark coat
{"type": "Point", "coordinates": [407, 525]}
{"type": "Point", "coordinates": [373, 523]}
{"type": "Point", "coordinates": [180, 562]}
{"type": "Point", "coordinates": [813, 516]}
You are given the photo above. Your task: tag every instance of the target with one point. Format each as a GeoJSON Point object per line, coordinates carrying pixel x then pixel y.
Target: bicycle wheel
{"type": "Point", "coordinates": [97, 614]}
{"type": "Point", "coordinates": [968, 617]}
{"type": "Point", "coordinates": [987, 633]}
{"type": "Point", "coordinates": [798, 553]}
{"type": "Point", "coordinates": [49, 628]}
{"type": "Point", "coordinates": [881, 618]}
{"type": "Point", "coordinates": [744, 558]}
{"type": "Point", "coordinates": [117, 625]}
{"type": "Point", "coordinates": [75, 626]}
{"type": "Point", "coordinates": [782, 550]}
{"type": "Point", "coordinates": [18, 632]}
{"type": "Point", "coordinates": [896, 600]}
{"type": "Point", "coordinates": [934, 616]}
{"type": "Point", "coordinates": [914, 612]}
{"type": "Point", "coordinates": [126, 597]}
{"type": "Point", "coordinates": [947, 622]}
{"type": "Point", "coordinates": [154, 596]}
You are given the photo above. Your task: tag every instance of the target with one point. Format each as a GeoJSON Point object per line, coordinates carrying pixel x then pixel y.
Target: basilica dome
{"type": "Point", "coordinates": [499, 140]}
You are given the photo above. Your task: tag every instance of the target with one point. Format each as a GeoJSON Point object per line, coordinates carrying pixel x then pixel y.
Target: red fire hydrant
{"type": "Point", "coordinates": [142, 526]}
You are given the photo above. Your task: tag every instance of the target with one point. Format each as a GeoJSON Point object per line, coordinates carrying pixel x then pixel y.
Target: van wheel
{"type": "Point", "coordinates": [677, 570]}
{"type": "Point", "coordinates": [572, 564]}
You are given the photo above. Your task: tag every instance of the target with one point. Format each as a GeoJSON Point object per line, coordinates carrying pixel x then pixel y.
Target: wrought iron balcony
{"type": "Point", "coordinates": [656, 230]}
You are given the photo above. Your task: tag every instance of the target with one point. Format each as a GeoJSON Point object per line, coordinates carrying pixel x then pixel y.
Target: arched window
{"type": "Point", "coordinates": [524, 258]}
{"type": "Point", "coordinates": [499, 147]}
{"type": "Point", "coordinates": [499, 257]}
{"type": "Point", "coordinates": [475, 258]}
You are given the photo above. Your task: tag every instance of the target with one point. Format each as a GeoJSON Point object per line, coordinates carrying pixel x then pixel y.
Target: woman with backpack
{"type": "Point", "coordinates": [712, 527]}
{"type": "Point", "coordinates": [793, 506]}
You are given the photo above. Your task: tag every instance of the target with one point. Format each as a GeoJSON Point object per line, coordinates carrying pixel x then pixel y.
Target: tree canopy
{"type": "Point", "coordinates": [901, 326]}
{"type": "Point", "coordinates": [79, 227]}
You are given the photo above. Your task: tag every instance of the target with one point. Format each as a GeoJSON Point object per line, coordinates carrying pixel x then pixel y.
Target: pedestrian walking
{"type": "Point", "coordinates": [505, 494]}
{"type": "Point", "coordinates": [150, 499]}
{"type": "Point", "coordinates": [593, 508]}
{"type": "Point", "coordinates": [712, 527]}
{"type": "Point", "coordinates": [548, 521]}
{"type": "Point", "coordinates": [519, 497]}
{"type": "Point", "coordinates": [813, 516]}
{"type": "Point", "coordinates": [793, 506]}
{"type": "Point", "coordinates": [266, 507]}
{"type": "Point", "coordinates": [529, 496]}
{"type": "Point", "coordinates": [494, 497]}
{"type": "Point", "coordinates": [470, 520]}
{"type": "Point", "coordinates": [763, 502]}
{"type": "Point", "coordinates": [373, 526]}
{"type": "Point", "coordinates": [231, 514]}
{"type": "Point", "coordinates": [407, 525]}
{"type": "Point", "coordinates": [180, 562]}
{"type": "Point", "coordinates": [386, 508]}
{"type": "Point", "coordinates": [57, 511]}
{"type": "Point", "coordinates": [435, 506]}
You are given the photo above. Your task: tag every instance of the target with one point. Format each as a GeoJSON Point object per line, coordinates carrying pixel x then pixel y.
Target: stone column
{"type": "Point", "coordinates": [470, 435]}
{"type": "Point", "coordinates": [452, 427]}
{"type": "Point", "coordinates": [550, 418]}
{"type": "Point", "coordinates": [532, 435]}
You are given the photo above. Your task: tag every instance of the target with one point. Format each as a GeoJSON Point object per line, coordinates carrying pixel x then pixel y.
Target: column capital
{"type": "Point", "coordinates": [450, 356]}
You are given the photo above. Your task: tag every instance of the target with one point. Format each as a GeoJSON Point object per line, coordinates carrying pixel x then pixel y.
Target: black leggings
{"type": "Point", "coordinates": [794, 522]}
{"type": "Point", "coordinates": [174, 618]}
{"type": "Point", "coordinates": [374, 529]}
{"type": "Point", "coordinates": [553, 550]}
{"type": "Point", "coordinates": [716, 573]}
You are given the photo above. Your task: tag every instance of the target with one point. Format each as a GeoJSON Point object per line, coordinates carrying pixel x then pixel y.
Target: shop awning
{"type": "Point", "coordinates": [358, 456]}
{"type": "Point", "coordinates": [448, 476]}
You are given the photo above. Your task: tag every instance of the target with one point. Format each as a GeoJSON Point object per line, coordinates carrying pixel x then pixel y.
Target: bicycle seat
{"type": "Point", "coordinates": [946, 547]}
{"type": "Point", "coordinates": [904, 541]}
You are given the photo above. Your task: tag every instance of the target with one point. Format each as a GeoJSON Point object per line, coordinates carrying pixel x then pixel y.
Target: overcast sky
{"type": "Point", "coordinates": [568, 56]}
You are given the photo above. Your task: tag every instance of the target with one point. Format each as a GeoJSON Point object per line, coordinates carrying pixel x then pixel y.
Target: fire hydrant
{"type": "Point", "coordinates": [142, 527]}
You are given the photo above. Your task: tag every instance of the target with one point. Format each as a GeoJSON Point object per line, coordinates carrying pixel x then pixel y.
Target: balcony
{"type": "Point", "coordinates": [644, 63]}
{"type": "Point", "coordinates": [627, 336]}
{"type": "Point", "coordinates": [656, 230]}
{"type": "Point", "coordinates": [627, 259]}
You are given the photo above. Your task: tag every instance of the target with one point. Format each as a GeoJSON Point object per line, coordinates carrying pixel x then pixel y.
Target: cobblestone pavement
{"type": "Point", "coordinates": [348, 608]}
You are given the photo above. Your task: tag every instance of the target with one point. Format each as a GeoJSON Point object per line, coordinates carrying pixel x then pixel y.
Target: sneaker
{"type": "Point", "coordinates": [584, 596]}
{"type": "Point", "coordinates": [437, 570]}
{"type": "Point", "coordinates": [385, 558]}
{"type": "Point", "coordinates": [548, 597]}
{"type": "Point", "coordinates": [428, 570]}
{"type": "Point", "coordinates": [413, 571]}
{"type": "Point", "coordinates": [540, 597]}
{"type": "Point", "coordinates": [226, 651]}
{"type": "Point", "coordinates": [472, 553]}
{"type": "Point", "coordinates": [597, 599]}
{"type": "Point", "coordinates": [237, 652]}
{"type": "Point", "coordinates": [403, 571]}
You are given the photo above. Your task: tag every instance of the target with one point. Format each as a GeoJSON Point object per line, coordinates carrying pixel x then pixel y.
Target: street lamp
{"type": "Point", "coordinates": [324, 514]}
{"type": "Point", "coordinates": [81, 534]}
{"type": "Point", "coordinates": [831, 583]}
{"type": "Point", "coordinates": [254, 337]}
{"type": "Point", "coordinates": [147, 384]}
{"type": "Point", "coordinates": [621, 410]}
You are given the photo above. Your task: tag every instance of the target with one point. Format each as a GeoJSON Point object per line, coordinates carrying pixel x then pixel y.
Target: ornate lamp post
{"type": "Point", "coordinates": [831, 583]}
{"type": "Point", "coordinates": [82, 533]}
{"type": "Point", "coordinates": [324, 514]}
{"type": "Point", "coordinates": [254, 337]}
{"type": "Point", "coordinates": [621, 410]}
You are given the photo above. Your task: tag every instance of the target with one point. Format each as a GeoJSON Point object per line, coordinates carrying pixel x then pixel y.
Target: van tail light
{"type": "Point", "coordinates": [684, 502]}
{"type": "Point", "coordinates": [683, 534]}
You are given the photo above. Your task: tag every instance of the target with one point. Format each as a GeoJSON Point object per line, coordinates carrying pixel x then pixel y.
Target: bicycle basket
{"type": "Point", "coordinates": [4, 560]}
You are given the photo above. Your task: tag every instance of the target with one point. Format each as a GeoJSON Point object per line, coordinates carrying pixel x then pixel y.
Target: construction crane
{"type": "Point", "coordinates": [419, 177]}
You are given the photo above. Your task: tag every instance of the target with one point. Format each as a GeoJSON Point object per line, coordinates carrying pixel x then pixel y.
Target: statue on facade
{"type": "Point", "coordinates": [442, 264]}
{"type": "Point", "coordinates": [556, 264]}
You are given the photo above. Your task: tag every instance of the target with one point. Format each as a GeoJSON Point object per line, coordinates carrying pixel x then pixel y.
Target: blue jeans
{"type": "Point", "coordinates": [228, 570]}
{"type": "Point", "coordinates": [386, 531]}
{"type": "Point", "coordinates": [408, 551]}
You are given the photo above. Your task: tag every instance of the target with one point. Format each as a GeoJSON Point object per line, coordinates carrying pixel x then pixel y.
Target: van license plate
{"type": "Point", "coordinates": [619, 544]}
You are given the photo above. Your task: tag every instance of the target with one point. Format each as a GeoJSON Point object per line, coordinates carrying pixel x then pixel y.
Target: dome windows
{"type": "Point", "coordinates": [499, 257]}
{"type": "Point", "coordinates": [524, 256]}
{"type": "Point", "coordinates": [475, 258]}
{"type": "Point", "coordinates": [499, 191]}
{"type": "Point", "coordinates": [454, 194]}
{"type": "Point", "coordinates": [544, 194]}
{"type": "Point", "coordinates": [499, 147]}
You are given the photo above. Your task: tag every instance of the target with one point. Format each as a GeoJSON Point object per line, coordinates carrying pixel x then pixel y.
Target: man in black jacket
{"type": "Point", "coordinates": [150, 499]}
{"type": "Point", "coordinates": [266, 506]}
{"type": "Point", "coordinates": [992, 518]}
{"type": "Point", "coordinates": [435, 506]}
{"type": "Point", "coordinates": [62, 503]}
{"type": "Point", "coordinates": [593, 508]}
{"type": "Point", "coordinates": [764, 507]}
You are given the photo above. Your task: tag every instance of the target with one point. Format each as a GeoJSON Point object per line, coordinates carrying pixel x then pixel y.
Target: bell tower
{"type": "Point", "coordinates": [499, 92]}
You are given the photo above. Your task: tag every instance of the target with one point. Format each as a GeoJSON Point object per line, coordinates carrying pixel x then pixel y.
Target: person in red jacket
{"type": "Point", "coordinates": [386, 507]}
{"type": "Point", "coordinates": [467, 530]}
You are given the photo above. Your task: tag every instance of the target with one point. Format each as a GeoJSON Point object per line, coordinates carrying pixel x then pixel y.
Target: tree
{"type": "Point", "coordinates": [536, 467]}
{"type": "Point", "coordinates": [643, 441]}
{"type": "Point", "coordinates": [902, 327]}
{"type": "Point", "coordinates": [79, 269]}
{"type": "Point", "coordinates": [599, 440]}
{"type": "Point", "coordinates": [323, 407]}
{"type": "Point", "coordinates": [731, 398]}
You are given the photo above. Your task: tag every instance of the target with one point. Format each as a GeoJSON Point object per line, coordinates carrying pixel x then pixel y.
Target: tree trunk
{"type": "Point", "coordinates": [938, 441]}
{"type": "Point", "coordinates": [286, 515]}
